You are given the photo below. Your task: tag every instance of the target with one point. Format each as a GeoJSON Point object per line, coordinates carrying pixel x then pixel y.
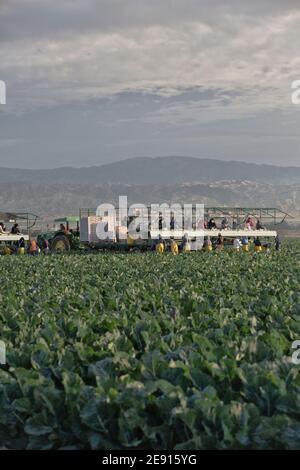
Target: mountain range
{"type": "Point", "coordinates": [161, 170]}
{"type": "Point", "coordinates": [64, 191]}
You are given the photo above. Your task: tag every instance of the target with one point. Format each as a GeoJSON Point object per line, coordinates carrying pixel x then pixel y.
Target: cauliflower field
{"type": "Point", "coordinates": [149, 351]}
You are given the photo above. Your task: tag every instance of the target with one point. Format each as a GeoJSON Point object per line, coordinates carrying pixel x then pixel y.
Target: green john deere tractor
{"type": "Point", "coordinates": [65, 239]}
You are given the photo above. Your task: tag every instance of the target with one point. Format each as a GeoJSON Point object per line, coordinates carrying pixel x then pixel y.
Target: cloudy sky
{"type": "Point", "coordinates": [95, 81]}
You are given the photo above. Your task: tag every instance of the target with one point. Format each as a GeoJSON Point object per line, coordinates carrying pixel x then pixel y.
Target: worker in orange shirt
{"type": "Point", "coordinates": [33, 248]}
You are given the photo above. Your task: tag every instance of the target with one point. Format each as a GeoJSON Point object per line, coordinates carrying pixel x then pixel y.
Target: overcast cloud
{"type": "Point", "coordinates": [94, 81]}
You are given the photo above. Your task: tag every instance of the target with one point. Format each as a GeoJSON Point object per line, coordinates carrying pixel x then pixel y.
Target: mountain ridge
{"type": "Point", "coordinates": [167, 171]}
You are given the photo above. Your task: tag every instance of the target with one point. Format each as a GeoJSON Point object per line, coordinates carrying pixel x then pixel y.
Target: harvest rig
{"type": "Point", "coordinates": [84, 234]}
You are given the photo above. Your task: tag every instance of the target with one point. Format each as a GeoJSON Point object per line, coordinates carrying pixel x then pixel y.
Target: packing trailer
{"type": "Point", "coordinates": [25, 220]}
{"type": "Point", "coordinates": [120, 240]}
{"type": "Point", "coordinates": [13, 238]}
{"type": "Point", "coordinates": [237, 216]}
{"type": "Point", "coordinates": [227, 233]}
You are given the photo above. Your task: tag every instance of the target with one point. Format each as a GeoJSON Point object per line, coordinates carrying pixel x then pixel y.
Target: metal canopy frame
{"type": "Point", "coordinates": [273, 216]}
{"type": "Point", "coordinates": [240, 214]}
{"type": "Point", "coordinates": [29, 220]}
{"type": "Point", "coordinates": [68, 218]}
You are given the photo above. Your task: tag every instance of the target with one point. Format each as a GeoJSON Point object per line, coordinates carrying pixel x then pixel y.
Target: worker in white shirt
{"type": "Point", "coordinates": [237, 244]}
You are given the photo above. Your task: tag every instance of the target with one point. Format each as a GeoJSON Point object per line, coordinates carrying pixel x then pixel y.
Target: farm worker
{"type": "Point", "coordinates": [212, 224]}
{"type": "Point", "coordinates": [45, 246]}
{"type": "Point", "coordinates": [257, 245]}
{"type": "Point", "coordinates": [62, 228]}
{"type": "Point", "coordinates": [33, 249]}
{"type": "Point", "coordinates": [259, 225]}
{"type": "Point", "coordinates": [277, 243]}
{"type": "Point", "coordinates": [172, 222]}
{"type": "Point", "coordinates": [162, 222]}
{"type": "Point", "coordinates": [208, 244]}
{"type": "Point", "coordinates": [224, 224]}
{"type": "Point", "coordinates": [237, 244]}
{"type": "Point", "coordinates": [249, 223]}
{"type": "Point", "coordinates": [220, 242]}
{"type": "Point", "coordinates": [15, 229]}
{"type": "Point", "coordinates": [185, 244]}
{"type": "Point", "coordinates": [159, 248]}
{"type": "Point", "coordinates": [174, 247]}
{"type": "Point", "coordinates": [163, 241]}
{"type": "Point", "coordinates": [245, 243]}
{"type": "Point", "coordinates": [160, 245]}
{"type": "Point", "coordinates": [6, 251]}
{"type": "Point", "coordinates": [186, 248]}
{"type": "Point", "coordinates": [21, 247]}
{"type": "Point", "coordinates": [130, 240]}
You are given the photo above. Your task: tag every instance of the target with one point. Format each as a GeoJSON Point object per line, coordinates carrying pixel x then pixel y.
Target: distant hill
{"type": "Point", "coordinates": [165, 171]}
{"type": "Point", "coordinates": [57, 199]}
{"type": "Point", "coordinates": [63, 191]}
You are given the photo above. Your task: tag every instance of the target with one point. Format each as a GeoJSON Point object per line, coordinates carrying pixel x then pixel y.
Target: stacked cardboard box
{"type": "Point", "coordinates": [88, 229]}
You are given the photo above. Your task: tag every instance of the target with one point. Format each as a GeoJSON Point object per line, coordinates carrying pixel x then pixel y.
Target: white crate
{"type": "Point", "coordinates": [88, 229]}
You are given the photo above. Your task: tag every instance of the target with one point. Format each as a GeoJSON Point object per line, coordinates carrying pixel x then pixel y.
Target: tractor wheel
{"type": "Point", "coordinates": [60, 244]}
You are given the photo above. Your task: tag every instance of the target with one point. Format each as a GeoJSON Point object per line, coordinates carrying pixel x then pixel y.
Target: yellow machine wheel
{"type": "Point", "coordinates": [60, 244]}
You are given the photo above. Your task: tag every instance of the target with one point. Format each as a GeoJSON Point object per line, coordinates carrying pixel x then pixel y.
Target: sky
{"type": "Point", "coordinates": [90, 82]}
